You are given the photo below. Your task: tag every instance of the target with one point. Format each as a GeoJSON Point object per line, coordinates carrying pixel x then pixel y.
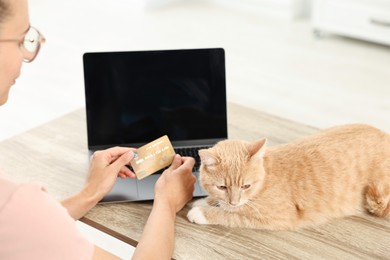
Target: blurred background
{"type": "Point", "coordinates": [319, 62]}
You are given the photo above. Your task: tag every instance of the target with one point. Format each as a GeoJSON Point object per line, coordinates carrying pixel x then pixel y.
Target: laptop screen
{"type": "Point", "coordinates": [135, 97]}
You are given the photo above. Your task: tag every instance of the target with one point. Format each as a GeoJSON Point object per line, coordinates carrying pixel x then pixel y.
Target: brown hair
{"type": "Point", "coordinates": [4, 10]}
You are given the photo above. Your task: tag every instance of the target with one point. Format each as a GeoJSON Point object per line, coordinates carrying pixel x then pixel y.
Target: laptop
{"type": "Point", "coordinates": [134, 97]}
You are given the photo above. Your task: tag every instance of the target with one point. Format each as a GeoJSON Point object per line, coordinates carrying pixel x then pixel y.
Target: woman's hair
{"type": "Point", "coordinates": [4, 10]}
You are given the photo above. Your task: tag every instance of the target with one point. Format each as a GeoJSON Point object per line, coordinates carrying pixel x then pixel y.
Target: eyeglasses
{"type": "Point", "coordinates": [30, 44]}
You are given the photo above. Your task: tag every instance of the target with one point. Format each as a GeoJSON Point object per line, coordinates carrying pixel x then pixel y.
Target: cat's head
{"type": "Point", "coordinates": [232, 171]}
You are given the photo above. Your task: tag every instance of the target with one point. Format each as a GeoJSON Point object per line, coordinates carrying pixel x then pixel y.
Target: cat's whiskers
{"type": "Point", "coordinates": [231, 208]}
{"type": "Point", "coordinates": [254, 200]}
{"type": "Point", "coordinates": [220, 205]}
{"type": "Point", "coordinates": [217, 205]}
{"type": "Point", "coordinates": [250, 204]}
{"type": "Point", "coordinates": [253, 205]}
{"type": "Point", "coordinates": [227, 207]}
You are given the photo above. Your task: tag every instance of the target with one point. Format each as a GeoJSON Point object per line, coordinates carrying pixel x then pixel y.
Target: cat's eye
{"type": "Point", "coordinates": [222, 187]}
{"type": "Point", "coordinates": [246, 186]}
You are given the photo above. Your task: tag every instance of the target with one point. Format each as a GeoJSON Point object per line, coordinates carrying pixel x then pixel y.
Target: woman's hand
{"type": "Point", "coordinates": [175, 186]}
{"type": "Point", "coordinates": [105, 167]}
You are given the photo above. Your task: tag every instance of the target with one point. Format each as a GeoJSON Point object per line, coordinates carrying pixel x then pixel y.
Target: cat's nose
{"type": "Point", "coordinates": [234, 198]}
{"type": "Point", "coordinates": [234, 203]}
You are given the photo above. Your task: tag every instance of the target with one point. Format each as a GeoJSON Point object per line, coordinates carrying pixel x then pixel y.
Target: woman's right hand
{"type": "Point", "coordinates": [176, 185]}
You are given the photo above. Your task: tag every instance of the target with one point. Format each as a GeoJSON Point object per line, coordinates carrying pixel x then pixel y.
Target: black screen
{"type": "Point", "coordinates": [135, 97]}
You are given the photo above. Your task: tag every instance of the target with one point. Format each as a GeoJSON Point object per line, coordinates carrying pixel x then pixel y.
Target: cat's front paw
{"type": "Point", "coordinates": [196, 215]}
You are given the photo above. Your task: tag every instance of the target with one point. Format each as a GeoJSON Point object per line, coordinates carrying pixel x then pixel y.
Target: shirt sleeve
{"type": "Point", "coordinates": [33, 225]}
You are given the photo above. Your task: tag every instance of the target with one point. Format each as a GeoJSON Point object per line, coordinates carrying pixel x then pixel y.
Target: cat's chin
{"type": "Point", "coordinates": [231, 208]}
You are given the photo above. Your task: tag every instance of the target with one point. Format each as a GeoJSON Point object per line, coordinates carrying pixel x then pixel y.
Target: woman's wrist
{"type": "Point", "coordinates": [90, 195]}
{"type": "Point", "coordinates": [80, 203]}
{"type": "Point", "coordinates": [161, 204]}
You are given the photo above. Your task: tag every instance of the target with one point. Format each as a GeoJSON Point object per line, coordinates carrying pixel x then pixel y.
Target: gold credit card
{"type": "Point", "coordinates": [152, 157]}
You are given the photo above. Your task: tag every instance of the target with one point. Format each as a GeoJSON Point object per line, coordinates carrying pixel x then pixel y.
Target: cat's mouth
{"type": "Point", "coordinates": [231, 207]}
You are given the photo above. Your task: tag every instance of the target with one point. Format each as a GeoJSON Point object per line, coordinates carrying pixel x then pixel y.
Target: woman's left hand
{"type": "Point", "coordinates": [105, 167]}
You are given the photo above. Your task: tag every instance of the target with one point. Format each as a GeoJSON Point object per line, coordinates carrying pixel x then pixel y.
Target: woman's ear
{"type": "Point", "coordinates": [207, 158]}
{"type": "Point", "coordinates": [257, 149]}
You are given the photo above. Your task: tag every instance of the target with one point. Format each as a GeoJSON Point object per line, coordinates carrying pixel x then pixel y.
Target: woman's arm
{"type": "Point", "coordinates": [158, 236]}
{"type": "Point", "coordinates": [79, 204]}
{"type": "Point", "coordinates": [172, 191]}
{"type": "Point", "coordinates": [105, 167]}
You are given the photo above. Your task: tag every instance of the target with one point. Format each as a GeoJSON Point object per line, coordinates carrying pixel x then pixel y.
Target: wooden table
{"type": "Point", "coordinates": [56, 154]}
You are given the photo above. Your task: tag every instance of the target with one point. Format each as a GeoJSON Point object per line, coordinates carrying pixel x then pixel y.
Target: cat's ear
{"type": "Point", "coordinates": [257, 149]}
{"type": "Point", "coordinates": [207, 158]}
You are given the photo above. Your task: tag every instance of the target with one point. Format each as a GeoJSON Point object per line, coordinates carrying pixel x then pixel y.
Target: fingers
{"type": "Point", "coordinates": [111, 154]}
{"type": "Point", "coordinates": [116, 152]}
{"type": "Point", "coordinates": [124, 176]}
{"type": "Point", "coordinates": [187, 163]}
{"type": "Point", "coordinates": [119, 164]}
{"type": "Point", "coordinates": [117, 158]}
{"type": "Point", "coordinates": [177, 161]}
{"type": "Point", "coordinates": [182, 162]}
{"type": "Point", "coordinates": [125, 172]}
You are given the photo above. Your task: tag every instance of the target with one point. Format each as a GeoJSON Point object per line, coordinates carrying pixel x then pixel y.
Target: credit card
{"type": "Point", "coordinates": [152, 157]}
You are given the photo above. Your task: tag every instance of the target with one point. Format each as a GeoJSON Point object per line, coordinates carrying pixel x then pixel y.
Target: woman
{"type": "Point", "coordinates": [35, 226]}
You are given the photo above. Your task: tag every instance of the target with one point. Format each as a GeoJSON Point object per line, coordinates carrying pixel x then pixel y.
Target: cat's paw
{"type": "Point", "coordinates": [196, 215]}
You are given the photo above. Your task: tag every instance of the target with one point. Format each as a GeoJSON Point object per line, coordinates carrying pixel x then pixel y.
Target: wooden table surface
{"type": "Point", "coordinates": [56, 154]}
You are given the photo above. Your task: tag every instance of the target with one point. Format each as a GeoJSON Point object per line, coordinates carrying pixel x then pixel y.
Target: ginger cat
{"type": "Point", "coordinates": [339, 172]}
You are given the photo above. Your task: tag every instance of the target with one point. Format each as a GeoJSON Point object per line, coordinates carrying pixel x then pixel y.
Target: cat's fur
{"type": "Point", "coordinates": [339, 172]}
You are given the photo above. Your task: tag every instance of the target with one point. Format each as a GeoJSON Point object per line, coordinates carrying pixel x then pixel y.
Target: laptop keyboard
{"type": "Point", "coordinates": [191, 152]}
{"type": "Point", "coordinates": [188, 152]}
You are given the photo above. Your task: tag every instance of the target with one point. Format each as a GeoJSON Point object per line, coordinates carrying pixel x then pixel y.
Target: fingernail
{"type": "Point", "coordinates": [132, 155]}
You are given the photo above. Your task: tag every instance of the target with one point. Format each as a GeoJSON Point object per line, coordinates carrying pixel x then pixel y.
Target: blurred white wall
{"type": "Point", "coordinates": [272, 64]}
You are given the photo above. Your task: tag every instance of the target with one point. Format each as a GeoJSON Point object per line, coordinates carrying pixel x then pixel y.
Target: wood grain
{"type": "Point", "coordinates": [56, 154]}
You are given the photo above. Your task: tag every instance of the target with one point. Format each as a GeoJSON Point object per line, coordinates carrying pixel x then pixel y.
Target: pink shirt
{"type": "Point", "coordinates": [33, 225]}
